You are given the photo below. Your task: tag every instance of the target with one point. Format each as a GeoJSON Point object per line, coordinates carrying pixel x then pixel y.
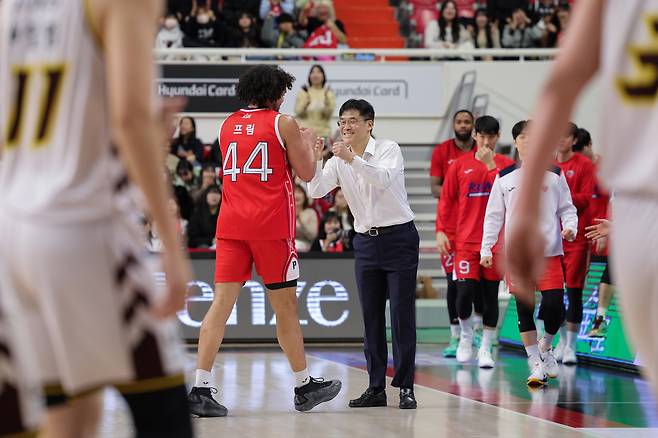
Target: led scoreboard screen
{"type": "Point", "coordinates": [327, 298]}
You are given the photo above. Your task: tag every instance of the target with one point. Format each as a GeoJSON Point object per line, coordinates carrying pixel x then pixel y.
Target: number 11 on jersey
{"type": "Point", "coordinates": [232, 157]}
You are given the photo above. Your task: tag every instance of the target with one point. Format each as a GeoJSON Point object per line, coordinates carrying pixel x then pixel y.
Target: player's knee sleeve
{"type": "Point", "coordinates": [575, 309]}
{"type": "Point", "coordinates": [552, 308]}
{"type": "Point", "coordinates": [526, 317]}
{"type": "Point", "coordinates": [451, 298]}
{"type": "Point", "coordinates": [490, 298]}
{"type": "Point", "coordinates": [478, 302]}
{"type": "Point", "coordinates": [466, 289]}
{"type": "Point", "coordinates": [161, 414]}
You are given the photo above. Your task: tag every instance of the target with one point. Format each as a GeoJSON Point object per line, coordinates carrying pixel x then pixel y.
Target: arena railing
{"type": "Point", "coordinates": [233, 55]}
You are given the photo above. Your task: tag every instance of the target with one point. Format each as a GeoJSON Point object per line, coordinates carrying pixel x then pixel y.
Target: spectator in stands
{"type": "Point", "coordinates": [232, 9]}
{"type": "Point", "coordinates": [446, 33]}
{"type": "Point", "coordinates": [548, 28]}
{"type": "Point", "coordinates": [208, 178]}
{"type": "Point", "coordinates": [307, 221]}
{"type": "Point", "coordinates": [519, 32]}
{"type": "Point", "coordinates": [203, 28]}
{"type": "Point", "coordinates": [343, 211]}
{"type": "Point", "coordinates": [170, 35]}
{"type": "Point", "coordinates": [187, 146]}
{"type": "Point", "coordinates": [185, 175]}
{"type": "Point", "coordinates": [170, 160]}
{"type": "Point", "coordinates": [275, 8]}
{"type": "Point", "coordinates": [280, 32]}
{"type": "Point", "coordinates": [246, 33]}
{"type": "Point", "coordinates": [316, 102]}
{"type": "Point", "coordinates": [203, 224]}
{"type": "Point", "coordinates": [332, 237]}
{"type": "Point", "coordinates": [541, 8]}
{"type": "Point", "coordinates": [563, 16]}
{"type": "Point", "coordinates": [321, 26]}
{"type": "Point", "coordinates": [180, 8]}
{"type": "Point", "coordinates": [501, 10]}
{"type": "Point", "coordinates": [153, 242]}
{"type": "Point", "coordinates": [485, 34]}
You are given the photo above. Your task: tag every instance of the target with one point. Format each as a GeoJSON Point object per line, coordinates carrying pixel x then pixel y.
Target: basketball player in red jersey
{"type": "Point", "coordinates": [579, 171]}
{"type": "Point", "coordinates": [256, 225]}
{"type": "Point", "coordinates": [443, 156]}
{"type": "Point", "coordinates": [465, 194]}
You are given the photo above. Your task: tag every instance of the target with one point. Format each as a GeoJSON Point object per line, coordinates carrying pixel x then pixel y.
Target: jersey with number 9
{"type": "Point", "coordinates": [257, 194]}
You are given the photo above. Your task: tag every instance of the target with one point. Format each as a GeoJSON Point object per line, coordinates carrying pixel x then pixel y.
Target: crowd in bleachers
{"type": "Point", "coordinates": [250, 23]}
{"type": "Point", "coordinates": [466, 24]}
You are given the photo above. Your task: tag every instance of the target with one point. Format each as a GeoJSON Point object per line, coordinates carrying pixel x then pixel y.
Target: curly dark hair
{"type": "Point", "coordinates": [262, 85]}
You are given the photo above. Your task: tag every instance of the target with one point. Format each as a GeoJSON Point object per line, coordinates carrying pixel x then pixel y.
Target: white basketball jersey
{"type": "Point", "coordinates": [629, 69]}
{"type": "Point", "coordinates": [57, 163]}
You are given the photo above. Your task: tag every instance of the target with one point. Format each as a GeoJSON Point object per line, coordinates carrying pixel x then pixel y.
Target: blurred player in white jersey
{"type": "Point", "coordinates": [78, 126]}
{"type": "Point", "coordinates": [619, 38]}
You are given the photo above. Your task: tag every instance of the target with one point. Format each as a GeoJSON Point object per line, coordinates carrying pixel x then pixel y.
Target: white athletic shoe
{"type": "Point", "coordinates": [537, 375]}
{"type": "Point", "coordinates": [569, 356]}
{"type": "Point", "coordinates": [465, 349]}
{"type": "Point", "coordinates": [485, 358]}
{"type": "Point", "coordinates": [558, 351]}
{"type": "Point", "coordinates": [551, 368]}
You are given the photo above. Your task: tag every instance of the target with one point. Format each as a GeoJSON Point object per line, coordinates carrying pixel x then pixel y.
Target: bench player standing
{"type": "Point", "coordinates": [76, 78]}
{"type": "Point", "coordinates": [256, 226]}
{"type": "Point", "coordinates": [557, 210]}
{"type": "Point", "coordinates": [465, 193]}
{"type": "Point", "coordinates": [443, 156]}
{"type": "Point", "coordinates": [579, 171]}
{"type": "Point", "coordinates": [617, 38]}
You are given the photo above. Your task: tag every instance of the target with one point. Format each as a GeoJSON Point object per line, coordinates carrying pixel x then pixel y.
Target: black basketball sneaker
{"type": "Point", "coordinates": [202, 403]}
{"type": "Point", "coordinates": [316, 391]}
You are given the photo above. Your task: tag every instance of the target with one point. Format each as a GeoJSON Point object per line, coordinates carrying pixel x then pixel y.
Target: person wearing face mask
{"type": "Point", "coordinates": [170, 35]}
{"type": "Point", "coordinates": [371, 174]}
{"type": "Point", "coordinates": [203, 29]}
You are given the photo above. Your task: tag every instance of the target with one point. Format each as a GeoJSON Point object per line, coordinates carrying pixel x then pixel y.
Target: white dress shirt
{"type": "Point", "coordinates": [556, 210]}
{"type": "Point", "coordinates": [373, 185]}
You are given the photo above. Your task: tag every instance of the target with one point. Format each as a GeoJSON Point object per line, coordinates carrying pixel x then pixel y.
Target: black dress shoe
{"type": "Point", "coordinates": [407, 399]}
{"type": "Point", "coordinates": [371, 398]}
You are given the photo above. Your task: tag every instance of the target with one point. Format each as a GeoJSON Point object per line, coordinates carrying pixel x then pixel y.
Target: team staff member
{"type": "Point", "coordinates": [371, 174]}
{"type": "Point", "coordinates": [443, 156]}
{"type": "Point", "coordinates": [579, 171]}
{"type": "Point", "coordinates": [466, 191]}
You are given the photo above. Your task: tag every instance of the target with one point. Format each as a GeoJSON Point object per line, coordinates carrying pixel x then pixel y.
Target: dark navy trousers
{"type": "Point", "coordinates": [386, 267]}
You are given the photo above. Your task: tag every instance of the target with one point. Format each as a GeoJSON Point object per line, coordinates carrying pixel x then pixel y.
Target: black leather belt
{"type": "Point", "coordinates": [376, 231]}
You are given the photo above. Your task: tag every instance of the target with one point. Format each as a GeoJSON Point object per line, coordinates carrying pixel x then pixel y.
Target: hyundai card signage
{"type": "Point", "coordinates": [327, 297]}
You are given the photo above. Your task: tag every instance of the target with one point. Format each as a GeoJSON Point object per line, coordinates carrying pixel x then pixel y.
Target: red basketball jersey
{"type": "Point", "coordinates": [258, 200]}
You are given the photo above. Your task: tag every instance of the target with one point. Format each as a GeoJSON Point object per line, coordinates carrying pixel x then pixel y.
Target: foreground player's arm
{"type": "Point", "coordinates": [494, 218]}
{"type": "Point", "coordinates": [566, 209]}
{"type": "Point", "coordinates": [575, 65]}
{"type": "Point", "coordinates": [299, 147]}
{"type": "Point", "coordinates": [126, 29]}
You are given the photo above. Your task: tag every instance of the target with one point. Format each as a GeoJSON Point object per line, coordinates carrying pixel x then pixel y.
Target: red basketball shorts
{"type": "Point", "coordinates": [275, 260]}
{"type": "Point", "coordinates": [552, 277]}
{"type": "Point", "coordinates": [467, 267]}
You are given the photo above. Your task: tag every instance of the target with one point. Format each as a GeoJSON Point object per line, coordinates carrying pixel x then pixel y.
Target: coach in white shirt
{"type": "Point", "coordinates": [371, 175]}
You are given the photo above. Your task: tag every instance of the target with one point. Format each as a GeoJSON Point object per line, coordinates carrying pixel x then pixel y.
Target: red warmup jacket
{"type": "Point", "coordinates": [443, 156]}
{"type": "Point", "coordinates": [580, 174]}
{"type": "Point", "coordinates": [464, 198]}
{"type": "Point", "coordinates": [599, 209]}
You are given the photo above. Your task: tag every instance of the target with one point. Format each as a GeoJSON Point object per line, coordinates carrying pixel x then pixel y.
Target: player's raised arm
{"type": "Point", "coordinates": [299, 145]}
{"type": "Point", "coordinates": [126, 29]}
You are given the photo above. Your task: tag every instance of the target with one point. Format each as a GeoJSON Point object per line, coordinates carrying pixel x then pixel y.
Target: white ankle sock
{"type": "Point", "coordinates": [302, 378]}
{"type": "Point", "coordinates": [477, 321]}
{"type": "Point", "coordinates": [455, 330]}
{"type": "Point", "coordinates": [488, 336]}
{"type": "Point", "coordinates": [601, 311]}
{"type": "Point", "coordinates": [546, 342]}
{"type": "Point", "coordinates": [563, 334]}
{"type": "Point", "coordinates": [204, 379]}
{"type": "Point", "coordinates": [571, 339]}
{"type": "Point", "coordinates": [533, 352]}
{"type": "Point", "coordinates": [466, 327]}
